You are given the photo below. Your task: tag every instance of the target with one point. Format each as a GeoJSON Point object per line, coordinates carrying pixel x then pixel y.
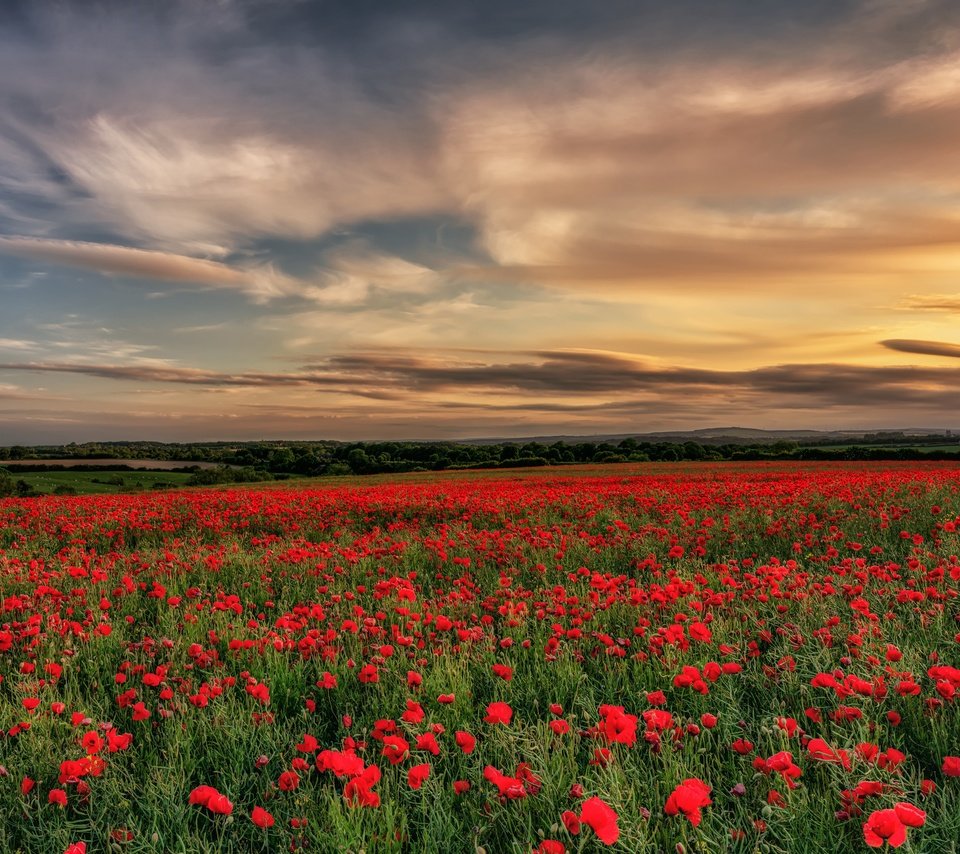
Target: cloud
{"type": "Point", "coordinates": [568, 380]}
{"type": "Point", "coordinates": [123, 260]}
{"type": "Point", "coordinates": [932, 302]}
{"type": "Point", "coordinates": [346, 278]}
{"type": "Point", "coordinates": [923, 348]}
{"type": "Point", "coordinates": [578, 167]}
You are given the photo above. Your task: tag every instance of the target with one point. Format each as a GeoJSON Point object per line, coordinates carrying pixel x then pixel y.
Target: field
{"type": "Point", "coordinates": [689, 659]}
{"type": "Point", "coordinates": [101, 482]}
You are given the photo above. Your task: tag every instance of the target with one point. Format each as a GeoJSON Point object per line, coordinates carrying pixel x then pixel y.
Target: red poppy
{"type": "Point", "coordinates": [499, 713]}
{"type": "Point", "coordinates": [359, 791]}
{"type": "Point", "coordinates": [465, 741]}
{"type": "Point", "coordinates": [428, 742]}
{"type": "Point", "coordinates": [209, 797]}
{"type": "Point", "coordinates": [288, 781]}
{"type": "Point", "coordinates": [571, 821]}
{"type": "Point", "coordinates": [889, 826]}
{"type": "Point", "coordinates": [308, 745]}
{"type": "Point", "coordinates": [417, 775]}
{"type": "Point", "coordinates": [689, 798]}
{"type": "Point", "coordinates": [601, 818]}
{"type": "Point", "coordinates": [395, 749]}
{"type": "Point", "coordinates": [261, 818]}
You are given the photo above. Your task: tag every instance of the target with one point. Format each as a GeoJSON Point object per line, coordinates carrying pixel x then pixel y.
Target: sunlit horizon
{"type": "Point", "coordinates": [283, 220]}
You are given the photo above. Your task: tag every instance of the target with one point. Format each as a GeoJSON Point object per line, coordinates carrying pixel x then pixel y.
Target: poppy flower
{"type": "Point", "coordinates": [465, 741]}
{"type": "Point", "coordinates": [823, 752]}
{"type": "Point", "coordinates": [571, 821]}
{"type": "Point", "coordinates": [417, 775]}
{"type": "Point", "coordinates": [951, 766]}
{"type": "Point", "coordinates": [601, 819]}
{"type": "Point", "coordinates": [689, 798]}
{"type": "Point", "coordinates": [209, 797]}
{"type": "Point", "coordinates": [288, 781]}
{"type": "Point", "coordinates": [57, 796]}
{"type": "Point", "coordinates": [76, 848]}
{"type": "Point", "coordinates": [508, 787]}
{"type": "Point", "coordinates": [499, 713]}
{"type": "Point", "coordinates": [889, 826]}
{"type": "Point", "coordinates": [369, 674]}
{"type": "Point", "coordinates": [428, 742]}
{"type": "Point", "coordinates": [414, 713]}
{"type": "Point", "coordinates": [395, 749]}
{"type": "Point", "coordinates": [261, 818]}
{"type": "Point", "coordinates": [359, 791]}
{"type": "Point", "coordinates": [308, 745]}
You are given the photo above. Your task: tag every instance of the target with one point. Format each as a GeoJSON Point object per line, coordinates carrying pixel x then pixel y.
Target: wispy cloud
{"type": "Point", "coordinates": [932, 302]}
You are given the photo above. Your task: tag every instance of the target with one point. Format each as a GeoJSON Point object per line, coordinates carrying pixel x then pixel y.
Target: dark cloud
{"type": "Point", "coordinates": [923, 348]}
{"type": "Point", "coordinates": [568, 375]}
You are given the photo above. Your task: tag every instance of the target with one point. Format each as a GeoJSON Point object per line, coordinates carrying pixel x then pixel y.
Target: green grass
{"type": "Point", "coordinates": [98, 482]}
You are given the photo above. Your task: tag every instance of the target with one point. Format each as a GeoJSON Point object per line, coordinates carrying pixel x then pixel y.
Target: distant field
{"type": "Point", "coordinates": [102, 481]}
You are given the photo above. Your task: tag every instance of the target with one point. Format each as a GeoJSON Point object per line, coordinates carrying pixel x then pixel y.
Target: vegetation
{"type": "Point", "coordinates": [251, 461]}
{"type": "Point", "coordinates": [703, 659]}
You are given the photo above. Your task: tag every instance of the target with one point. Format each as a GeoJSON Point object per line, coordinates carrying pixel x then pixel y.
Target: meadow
{"type": "Point", "coordinates": [100, 482]}
{"type": "Point", "coordinates": [695, 658]}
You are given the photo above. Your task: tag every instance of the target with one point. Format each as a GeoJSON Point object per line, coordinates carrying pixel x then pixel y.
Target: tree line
{"type": "Point", "coordinates": [250, 461]}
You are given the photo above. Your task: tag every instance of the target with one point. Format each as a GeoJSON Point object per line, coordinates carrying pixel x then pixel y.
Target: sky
{"type": "Point", "coordinates": [376, 219]}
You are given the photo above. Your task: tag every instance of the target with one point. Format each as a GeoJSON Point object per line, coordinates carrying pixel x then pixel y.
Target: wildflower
{"type": "Point", "coordinates": [417, 775]}
{"type": "Point", "coordinates": [601, 818]}
{"type": "Point", "coordinates": [465, 741]}
{"type": "Point", "coordinates": [261, 818]}
{"type": "Point", "coordinates": [890, 825]}
{"type": "Point", "coordinates": [209, 797]}
{"type": "Point", "coordinates": [689, 798]}
{"type": "Point", "coordinates": [499, 713]}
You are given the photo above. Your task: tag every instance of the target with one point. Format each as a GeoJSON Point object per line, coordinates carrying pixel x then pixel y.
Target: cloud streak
{"type": "Point", "coordinates": [924, 348]}
{"type": "Point", "coordinates": [552, 380]}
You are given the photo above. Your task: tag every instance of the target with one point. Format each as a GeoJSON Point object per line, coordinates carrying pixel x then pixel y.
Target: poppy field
{"type": "Point", "coordinates": [698, 659]}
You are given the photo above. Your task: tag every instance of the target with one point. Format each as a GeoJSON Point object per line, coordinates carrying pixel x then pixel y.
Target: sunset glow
{"type": "Point", "coordinates": [291, 219]}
